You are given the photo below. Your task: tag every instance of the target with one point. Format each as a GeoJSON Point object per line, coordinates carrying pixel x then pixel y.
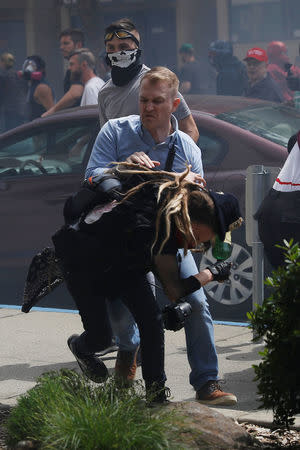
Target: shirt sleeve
{"type": "Point", "coordinates": [90, 93]}
{"type": "Point", "coordinates": [197, 165]}
{"type": "Point", "coordinates": [102, 116]}
{"type": "Point", "coordinates": [104, 151]}
{"type": "Point", "coordinates": [193, 153]}
{"type": "Point", "coordinates": [183, 110]}
{"type": "Point", "coordinates": [166, 269]}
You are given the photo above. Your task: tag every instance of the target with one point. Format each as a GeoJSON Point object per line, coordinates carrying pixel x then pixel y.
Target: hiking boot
{"type": "Point", "coordinates": [157, 394]}
{"type": "Point", "coordinates": [212, 394]}
{"type": "Point", "coordinates": [125, 367]}
{"type": "Point", "coordinates": [90, 365]}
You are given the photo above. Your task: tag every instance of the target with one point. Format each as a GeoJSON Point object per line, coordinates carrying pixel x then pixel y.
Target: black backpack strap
{"type": "Point", "coordinates": [170, 159]}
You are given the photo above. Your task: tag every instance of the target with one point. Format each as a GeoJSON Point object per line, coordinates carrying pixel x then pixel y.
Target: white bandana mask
{"type": "Point", "coordinates": [124, 58]}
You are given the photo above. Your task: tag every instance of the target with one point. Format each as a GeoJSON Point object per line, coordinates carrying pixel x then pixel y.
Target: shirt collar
{"type": "Point", "coordinates": [148, 139]}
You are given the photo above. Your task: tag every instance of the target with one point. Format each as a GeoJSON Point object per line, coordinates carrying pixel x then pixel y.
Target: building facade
{"type": "Point", "coordinates": [33, 26]}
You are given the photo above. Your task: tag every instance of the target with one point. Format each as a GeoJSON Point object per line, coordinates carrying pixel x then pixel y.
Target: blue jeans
{"type": "Point", "coordinates": [199, 330]}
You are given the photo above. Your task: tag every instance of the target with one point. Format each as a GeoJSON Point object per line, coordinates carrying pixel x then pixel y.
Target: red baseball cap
{"type": "Point", "coordinates": [257, 53]}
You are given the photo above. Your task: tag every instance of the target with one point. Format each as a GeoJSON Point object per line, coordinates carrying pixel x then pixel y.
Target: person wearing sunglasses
{"type": "Point", "coordinates": [119, 96]}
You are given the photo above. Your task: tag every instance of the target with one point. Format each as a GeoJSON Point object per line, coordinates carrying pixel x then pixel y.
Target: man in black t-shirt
{"type": "Point", "coordinates": [70, 40]}
{"type": "Point", "coordinates": [190, 74]}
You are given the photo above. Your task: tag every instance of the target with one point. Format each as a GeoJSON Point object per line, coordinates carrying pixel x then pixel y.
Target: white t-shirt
{"type": "Point", "coordinates": [90, 92]}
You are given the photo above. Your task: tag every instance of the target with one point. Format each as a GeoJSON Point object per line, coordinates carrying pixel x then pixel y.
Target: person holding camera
{"type": "Point", "coordinates": [159, 144]}
{"type": "Point", "coordinates": [108, 249]}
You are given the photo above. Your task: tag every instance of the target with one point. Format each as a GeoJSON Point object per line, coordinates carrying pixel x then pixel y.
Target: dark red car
{"type": "Point", "coordinates": [43, 162]}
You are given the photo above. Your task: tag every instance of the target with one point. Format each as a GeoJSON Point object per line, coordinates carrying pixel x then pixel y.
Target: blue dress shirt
{"type": "Point", "coordinates": [120, 138]}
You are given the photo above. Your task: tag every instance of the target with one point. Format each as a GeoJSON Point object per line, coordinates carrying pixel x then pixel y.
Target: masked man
{"type": "Point", "coordinates": [40, 96]}
{"type": "Point", "coordinates": [119, 96]}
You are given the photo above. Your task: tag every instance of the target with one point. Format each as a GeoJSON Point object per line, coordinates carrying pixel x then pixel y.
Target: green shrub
{"type": "Point", "coordinates": [277, 320]}
{"type": "Point", "coordinates": [65, 411]}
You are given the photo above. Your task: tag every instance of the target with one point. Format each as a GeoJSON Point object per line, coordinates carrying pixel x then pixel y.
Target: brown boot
{"type": "Point", "coordinates": [125, 367]}
{"type": "Point", "coordinates": [212, 394]}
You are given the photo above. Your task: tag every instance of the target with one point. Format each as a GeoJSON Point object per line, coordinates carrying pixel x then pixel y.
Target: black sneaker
{"type": "Point", "coordinates": [157, 394]}
{"type": "Point", "coordinates": [139, 358]}
{"type": "Point", "coordinates": [90, 365]}
{"type": "Point", "coordinates": [112, 348]}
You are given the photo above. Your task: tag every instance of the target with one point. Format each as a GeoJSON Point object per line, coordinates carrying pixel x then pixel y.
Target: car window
{"type": "Point", "coordinates": [54, 151]}
{"type": "Point", "coordinates": [212, 148]}
{"type": "Point", "coordinates": [275, 123]}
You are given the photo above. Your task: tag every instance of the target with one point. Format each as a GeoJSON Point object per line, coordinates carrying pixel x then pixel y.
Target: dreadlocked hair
{"type": "Point", "coordinates": [178, 200]}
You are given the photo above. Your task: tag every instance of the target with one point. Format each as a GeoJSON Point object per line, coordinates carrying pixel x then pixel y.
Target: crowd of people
{"type": "Point", "coordinates": [111, 246]}
{"type": "Point", "coordinates": [265, 74]}
{"type": "Point", "coordinates": [166, 211]}
{"type": "Point", "coordinates": [26, 94]}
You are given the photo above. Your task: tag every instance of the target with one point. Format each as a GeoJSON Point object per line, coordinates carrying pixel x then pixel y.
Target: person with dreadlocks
{"type": "Point", "coordinates": [110, 249]}
{"type": "Point", "coordinates": [154, 141]}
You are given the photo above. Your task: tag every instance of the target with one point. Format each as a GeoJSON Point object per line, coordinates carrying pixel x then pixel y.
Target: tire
{"type": "Point", "coordinates": [238, 288]}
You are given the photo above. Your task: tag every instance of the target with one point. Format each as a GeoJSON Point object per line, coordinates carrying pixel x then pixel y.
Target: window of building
{"type": "Point", "coordinates": [264, 20]}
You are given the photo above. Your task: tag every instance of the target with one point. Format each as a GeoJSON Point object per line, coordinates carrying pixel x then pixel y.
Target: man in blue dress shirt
{"type": "Point", "coordinates": [153, 140]}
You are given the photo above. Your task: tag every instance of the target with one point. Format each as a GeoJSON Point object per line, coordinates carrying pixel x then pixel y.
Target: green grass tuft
{"type": "Point", "coordinates": [66, 411]}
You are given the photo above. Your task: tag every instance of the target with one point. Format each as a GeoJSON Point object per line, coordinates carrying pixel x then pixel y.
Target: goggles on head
{"type": "Point", "coordinates": [121, 34]}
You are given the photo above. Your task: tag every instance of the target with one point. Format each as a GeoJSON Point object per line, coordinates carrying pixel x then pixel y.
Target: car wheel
{"type": "Point", "coordinates": [239, 286]}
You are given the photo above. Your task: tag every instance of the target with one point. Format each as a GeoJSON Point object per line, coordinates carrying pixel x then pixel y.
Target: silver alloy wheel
{"type": "Point", "coordinates": [239, 286]}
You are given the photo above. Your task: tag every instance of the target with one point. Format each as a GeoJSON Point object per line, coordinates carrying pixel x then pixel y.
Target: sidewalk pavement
{"type": "Point", "coordinates": [34, 343]}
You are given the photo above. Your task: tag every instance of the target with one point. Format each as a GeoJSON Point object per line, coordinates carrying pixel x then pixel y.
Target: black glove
{"type": "Point", "coordinates": [293, 83]}
{"type": "Point", "coordinates": [175, 315]}
{"type": "Point", "coordinates": [220, 271]}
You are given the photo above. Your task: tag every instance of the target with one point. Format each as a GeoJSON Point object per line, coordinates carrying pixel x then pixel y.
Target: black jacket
{"type": "Point", "coordinates": [232, 76]}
